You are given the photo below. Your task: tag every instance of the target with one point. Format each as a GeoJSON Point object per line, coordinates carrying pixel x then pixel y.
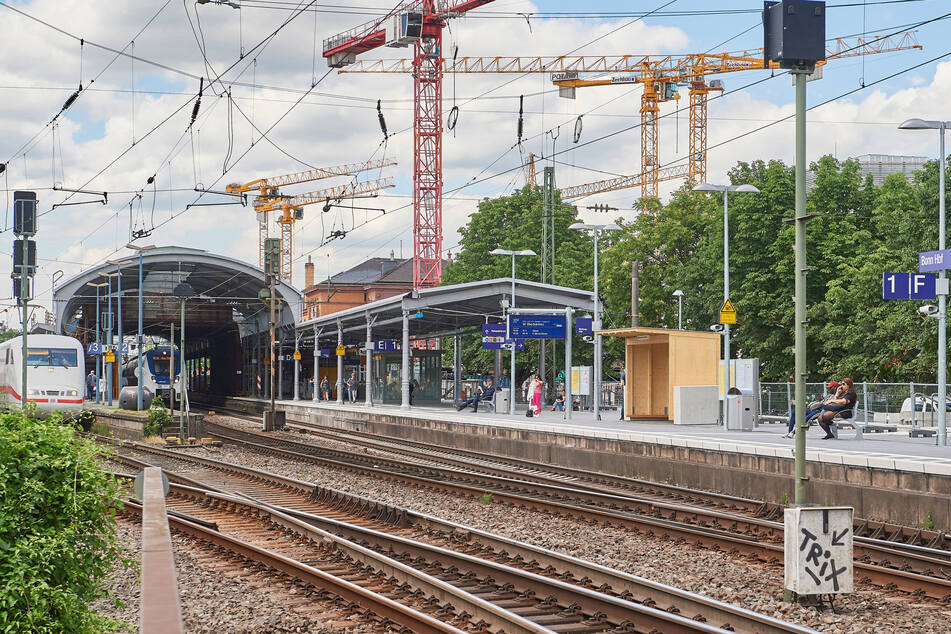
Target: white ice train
{"type": "Point", "coordinates": [55, 373]}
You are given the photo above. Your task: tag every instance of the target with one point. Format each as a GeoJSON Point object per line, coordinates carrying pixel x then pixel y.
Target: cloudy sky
{"type": "Point", "coordinates": [286, 113]}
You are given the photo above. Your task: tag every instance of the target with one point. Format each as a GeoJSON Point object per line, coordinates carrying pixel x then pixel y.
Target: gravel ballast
{"type": "Point", "coordinates": [731, 578]}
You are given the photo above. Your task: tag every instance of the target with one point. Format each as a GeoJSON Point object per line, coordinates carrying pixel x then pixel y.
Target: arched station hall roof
{"type": "Point", "coordinates": [226, 294]}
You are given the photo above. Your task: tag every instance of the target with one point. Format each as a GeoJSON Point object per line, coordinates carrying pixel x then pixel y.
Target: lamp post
{"type": "Point", "coordinates": [508, 326]}
{"type": "Point", "coordinates": [98, 356]}
{"type": "Point", "coordinates": [182, 291]}
{"type": "Point", "coordinates": [679, 294]}
{"type": "Point", "coordinates": [109, 368]}
{"type": "Point", "coordinates": [940, 126]}
{"type": "Point", "coordinates": [141, 250]}
{"type": "Point", "coordinates": [596, 325]}
{"type": "Point", "coordinates": [726, 189]}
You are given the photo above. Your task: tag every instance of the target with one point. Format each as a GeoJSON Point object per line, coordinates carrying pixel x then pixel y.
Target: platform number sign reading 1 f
{"type": "Point", "coordinates": [919, 286]}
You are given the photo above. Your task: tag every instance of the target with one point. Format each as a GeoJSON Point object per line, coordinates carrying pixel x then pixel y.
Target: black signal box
{"type": "Point", "coordinates": [18, 256]}
{"type": "Point", "coordinates": [794, 33]}
{"type": "Point", "coordinates": [17, 289]}
{"type": "Point", "coordinates": [24, 213]}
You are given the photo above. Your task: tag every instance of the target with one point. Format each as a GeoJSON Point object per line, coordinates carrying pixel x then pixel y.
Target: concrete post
{"type": "Point", "coordinates": [800, 316]}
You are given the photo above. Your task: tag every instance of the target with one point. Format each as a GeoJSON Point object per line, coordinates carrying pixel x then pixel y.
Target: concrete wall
{"type": "Point", "coordinates": [893, 495]}
{"type": "Point", "coordinates": [696, 404]}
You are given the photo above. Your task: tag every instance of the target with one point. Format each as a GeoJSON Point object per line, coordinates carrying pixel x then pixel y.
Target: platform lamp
{"type": "Point", "coordinates": [182, 291]}
{"type": "Point", "coordinates": [141, 249]}
{"type": "Point", "coordinates": [596, 325]}
{"type": "Point", "coordinates": [99, 355]}
{"type": "Point", "coordinates": [508, 322]}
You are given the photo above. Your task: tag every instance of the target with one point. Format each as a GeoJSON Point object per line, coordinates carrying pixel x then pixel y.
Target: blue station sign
{"type": "Point", "coordinates": [934, 260]}
{"type": "Point", "coordinates": [493, 338]}
{"type": "Point", "coordinates": [919, 286]}
{"type": "Point", "coordinates": [386, 345]}
{"type": "Point", "coordinates": [538, 326]}
{"type": "Point", "coordinates": [584, 326]}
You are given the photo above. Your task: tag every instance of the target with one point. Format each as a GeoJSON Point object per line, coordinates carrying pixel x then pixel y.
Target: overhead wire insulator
{"type": "Point", "coordinates": [452, 118]}
{"type": "Point", "coordinates": [379, 113]}
{"type": "Point", "coordinates": [521, 124]}
{"type": "Point", "coordinates": [578, 127]}
{"type": "Point", "coordinates": [197, 106]}
{"type": "Point", "coordinates": [72, 98]}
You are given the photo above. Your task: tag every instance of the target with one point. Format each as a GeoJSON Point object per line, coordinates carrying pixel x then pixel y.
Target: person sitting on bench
{"type": "Point", "coordinates": [483, 393]}
{"type": "Point", "coordinates": [814, 408]}
{"type": "Point", "coordinates": [559, 403]}
{"type": "Point", "coordinates": [845, 401]}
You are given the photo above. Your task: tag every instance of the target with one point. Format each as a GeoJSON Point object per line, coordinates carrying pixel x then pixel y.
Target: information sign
{"type": "Point", "coordinates": [584, 326]}
{"type": "Point", "coordinates": [934, 260]}
{"type": "Point", "coordinates": [538, 326]}
{"type": "Point", "coordinates": [493, 338]}
{"type": "Point", "coordinates": [818, 550]}
{"type": "Point", "coordinates": [909, 286]}
{"type": "Point", "coordinates": [94, 348]}
{"type": "Point", "coordinates": [386, 345]}
{"type": "Point", "coordinates": [727, 313]}
{"type": "Point", "coordinates": [324, 353]}
{"type": "Point", "coordinates": [297, 355]}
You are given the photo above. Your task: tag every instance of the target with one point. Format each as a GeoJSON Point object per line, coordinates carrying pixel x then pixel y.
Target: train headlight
{"type": "Point", "coordinates": [153, 378]}
{"type": "Point", "coordinates": [72, 392]}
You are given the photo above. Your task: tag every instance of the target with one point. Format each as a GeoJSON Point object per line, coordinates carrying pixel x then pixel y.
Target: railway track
{"type": "Point", "coordinates": [386, 529]}
{"type": "Point", "coordinates": [913, 568]}
{"type": "Point", "coordinates": [503, 466]}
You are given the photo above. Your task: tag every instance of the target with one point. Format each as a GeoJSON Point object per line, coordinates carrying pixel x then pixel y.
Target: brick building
{"type": "Point", "coordinates": [372, 279]}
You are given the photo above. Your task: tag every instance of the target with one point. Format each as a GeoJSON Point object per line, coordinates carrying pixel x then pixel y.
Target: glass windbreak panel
{"type": "Point", "coordinates": [52, 357]}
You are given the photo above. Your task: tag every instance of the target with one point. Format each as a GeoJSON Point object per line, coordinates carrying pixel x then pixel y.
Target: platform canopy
{"type": "Point", "coordinates": [444, 310]}
{"type": "Point", "coordinates": [225, 294]}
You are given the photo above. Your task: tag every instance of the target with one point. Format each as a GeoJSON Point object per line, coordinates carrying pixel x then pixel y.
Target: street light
{"type": "Point", "coordinates": [99, 355]}
{"type": "Point", "coordinates": [141, 250]}
{"type": "Point", "coordinates": [726, 189]}
{"type": "Point", "coordinates": [508, 325]}
{"type": "Point", "coordinates": [596, 325]}
{"type": "Point", "coordinates": [940, 126]}
{"type": "Point", "coordinates": [679, 294]}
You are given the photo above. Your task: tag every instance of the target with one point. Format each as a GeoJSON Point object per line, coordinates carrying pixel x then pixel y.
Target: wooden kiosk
{"type": "Point", "coordinates": [657, 359]}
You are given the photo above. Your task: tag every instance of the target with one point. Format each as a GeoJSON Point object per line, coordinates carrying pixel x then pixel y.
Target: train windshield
{"type": "Point", "coordinates": [52, 357]}
{"type": "Point", "coordinates": [161, 363]}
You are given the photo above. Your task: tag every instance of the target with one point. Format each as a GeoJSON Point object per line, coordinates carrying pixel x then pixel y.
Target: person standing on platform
{"type": "Point", "coordinates": [325, 388]}
{"type": "Point", "coordinates": [537, 394]}
{"type": "Point", "coordinates": [352, 388]}
{"type": "Point", "coordinates": [505, 382]}
{"type": "Point", "coordinates": [413, 386]}
{"type": "Point", "coordinates": [91, 386]}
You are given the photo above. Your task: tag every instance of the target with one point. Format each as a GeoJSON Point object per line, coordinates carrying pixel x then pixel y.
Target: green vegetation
{"type": "Point", "coordinates": [859, 230]}
{"type": "Point", "coordinates": [100, 429]}
{"type": "Point", "coordinates": [928, 524]}
{"type": "Point", "coordinates": [486, 498]}
{"type": "Point", "coordinates": [57, 527]}
{"type": "Point", "coordinates": [157, 419]}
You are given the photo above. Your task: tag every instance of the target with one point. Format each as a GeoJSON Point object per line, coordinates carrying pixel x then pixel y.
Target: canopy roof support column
{"type": "Point", "coordinates": [315, 378]}
{"type": "Point", "coordinates": [296, 367]}
{"type": "Point", "coordinates": [339, 365]}
{"type": "Point", "coordinates": [457, 368]}
{"type": "Point", "coordinates": [404, 370]}
{"type": "Point", "coordinates": [369, 395]}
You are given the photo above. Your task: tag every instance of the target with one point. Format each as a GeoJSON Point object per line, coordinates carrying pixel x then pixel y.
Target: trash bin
{"type": "Point", "coordinates": [740, 414]}
{"type": "Point", "coordinates": [502, 400]}
{"type": "Point", "coordinates": [129, 397]}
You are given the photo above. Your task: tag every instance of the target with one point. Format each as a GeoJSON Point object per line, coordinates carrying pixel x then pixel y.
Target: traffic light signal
{"type": "Point", "coordinates": [24, 213]}
{"type": "Point", "coordinates": [272, 256]}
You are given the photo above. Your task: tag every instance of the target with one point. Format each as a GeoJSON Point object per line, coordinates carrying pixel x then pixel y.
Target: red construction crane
{"type": "Point", "coordinates": [420, 23]}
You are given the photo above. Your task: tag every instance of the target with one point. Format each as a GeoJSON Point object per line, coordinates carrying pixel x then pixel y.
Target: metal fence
{"type": "Point", "coordinates": [881, 401]}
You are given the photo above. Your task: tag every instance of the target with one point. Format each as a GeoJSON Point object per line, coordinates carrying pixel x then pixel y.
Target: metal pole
{"type": "Point", "coordinates": [139, 339]}
{"type": "Point", "coordinates": [273, 341]}
{"type": "Point", "coordinates": [865, 399]}
{"type": "Point", "coordinates": [296, 368]}
{"type": "Point", "coordinates": [635, 289]}
{"type": "Point", "coordinates": [680, 312]}
{"type": "Point", "coordinates": [508, 335]}
{"type": "Point", "coordinates": [457, 370]}
{"type": "Point", "coordinates": [339, 365]}
{"type": "Point", "coordinates": [369, 394]}
{"type": "Point", "coordinates": [942, 305]}
{"type": "Point", "coordinates": [174, 368]}
{"type": "Point", "coordinates": [569, 313]}
{"type": "Point", "coordinates": [24, 291]}
{"type": "Point", "coordinates": [119, 310]}
{"type": "Point", "coordinates": [597, 337]}
{"type": "Point", "coordinates": [315, 377]}
{"type": "Point", "coordinates": [800, 317]}
{"type": "Point", "coordinates": [98, 356]}
{"type": "Point", "coordinates": [404, 369]}
{"type": "Point", "coordinates": [109, 345]}
{"type": "Point", "coordinates": [726, 296]}
{"type": "Point", "coordinates": [182, 384]}
{"type": "Point", "coordinates": [280, 366]}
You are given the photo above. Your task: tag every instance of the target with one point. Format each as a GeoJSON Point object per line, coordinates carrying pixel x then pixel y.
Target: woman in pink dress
{"type": "Point", "coordinates": [537, 395]}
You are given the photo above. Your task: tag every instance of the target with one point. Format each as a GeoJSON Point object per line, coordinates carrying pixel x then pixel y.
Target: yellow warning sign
{"type": "Point", "coordinates": [110, 357]}
{"type": "Point", "coordinates": [297, 355]}
{"type": "Point", "coordinates": [340, 350]}
{"type": "Point", "coordinates": [727, 313]}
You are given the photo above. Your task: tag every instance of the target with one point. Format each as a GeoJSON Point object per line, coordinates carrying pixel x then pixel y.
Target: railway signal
{"type": "Point", "coordinates": [24, 263]}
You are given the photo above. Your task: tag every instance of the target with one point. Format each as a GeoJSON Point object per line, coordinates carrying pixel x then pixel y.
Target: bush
{"type": "Point", "coordinates": [156, 420]}
{"type": "Point", "coordinates": [57, 527]}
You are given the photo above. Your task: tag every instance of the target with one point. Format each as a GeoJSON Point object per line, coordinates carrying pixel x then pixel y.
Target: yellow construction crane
{"type": "Point", "coordinates": [268, 192]}
{"type": "Point", "coordinates": [661, 76]}
{"type": "Point", "coordinates": [291, 211]}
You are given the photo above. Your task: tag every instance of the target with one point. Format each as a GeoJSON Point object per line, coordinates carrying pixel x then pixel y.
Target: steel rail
{"type": "Point", "coordinates": [380, 605]}
{"type": "Point", "coordinates": [701, 536]}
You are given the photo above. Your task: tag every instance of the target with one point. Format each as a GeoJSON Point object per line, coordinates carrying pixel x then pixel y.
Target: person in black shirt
{"type": "Point", "coordinates": [845, 401]}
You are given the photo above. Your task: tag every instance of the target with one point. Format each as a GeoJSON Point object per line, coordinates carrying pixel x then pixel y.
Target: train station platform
{"type": "Point", "coordinates": [887, 476]}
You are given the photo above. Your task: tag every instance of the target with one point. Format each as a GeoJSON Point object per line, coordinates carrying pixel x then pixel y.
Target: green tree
{"type": "Point", "coordinates": [57, 527]}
